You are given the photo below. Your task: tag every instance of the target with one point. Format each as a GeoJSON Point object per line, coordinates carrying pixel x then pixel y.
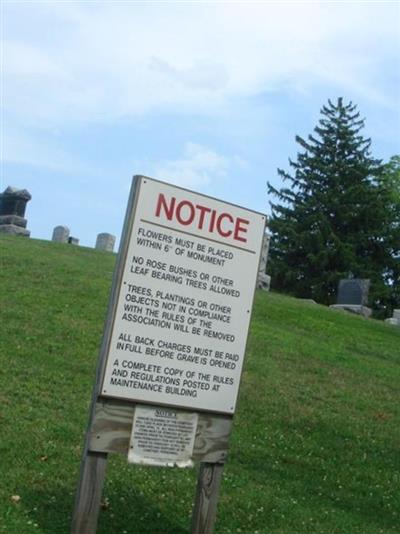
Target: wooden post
{"type": "Point", "coordinates": [206, 500]}
{"type": "Point", "coordinates": [93, 465]}
{"type": "Point", "coordinates": [88, 496]}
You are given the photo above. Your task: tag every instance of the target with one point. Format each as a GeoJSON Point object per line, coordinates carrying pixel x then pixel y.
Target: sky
{"type": "Point", "coordinates": [205, 95]}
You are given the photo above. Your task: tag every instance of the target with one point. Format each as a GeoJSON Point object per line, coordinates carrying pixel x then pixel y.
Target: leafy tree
{"type": "Point", "coordinates": [332, 219]}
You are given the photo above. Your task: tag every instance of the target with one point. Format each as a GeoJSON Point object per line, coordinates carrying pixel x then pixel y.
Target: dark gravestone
{"type": "Point", "coordinates": [12, 211]}
{"type": "Point", "coordinates": [353, 291]}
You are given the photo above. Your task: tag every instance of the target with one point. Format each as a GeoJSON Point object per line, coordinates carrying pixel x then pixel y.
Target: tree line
{"type": "Point", "coordinates": [337, 215]}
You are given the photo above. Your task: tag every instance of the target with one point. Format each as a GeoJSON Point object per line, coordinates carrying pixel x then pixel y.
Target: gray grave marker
{"type": "Point", "coordinates": [13, 203]}
{"type": "Point", "coordinates": [395, 319]}
{"type": "Point", "coordinates": [263, 279]}
{"type": "Point", "coordinates": [353, 296]}
{"type": "Point", "coordinates": [60, 234]}
{"type": "Point", "coordinates": [353, 291]}
{"type": "Point", "coordinates": [106, 242]}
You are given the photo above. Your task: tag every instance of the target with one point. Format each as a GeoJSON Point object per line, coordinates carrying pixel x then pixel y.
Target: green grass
{"type": "Point", "coordinates": [316, 439]}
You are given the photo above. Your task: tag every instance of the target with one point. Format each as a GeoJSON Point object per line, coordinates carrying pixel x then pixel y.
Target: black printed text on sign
{"type": "Point", "coordinates": [183, 309]}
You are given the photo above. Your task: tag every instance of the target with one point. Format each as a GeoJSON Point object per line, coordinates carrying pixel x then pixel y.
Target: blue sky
{"type": "Point", "coordinates": [207, 95]}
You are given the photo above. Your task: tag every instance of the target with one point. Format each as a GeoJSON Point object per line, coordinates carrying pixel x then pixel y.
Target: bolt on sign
{"type": "Point", "coordinates": [175, 336]}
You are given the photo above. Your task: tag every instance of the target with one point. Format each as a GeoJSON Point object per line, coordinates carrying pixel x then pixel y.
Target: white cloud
{"type": "Point", "coordinates": [27, 149]}
{"type": "Point", "coordinates": [23, 60]}
{"type": "Point", "coordinates": [198, 167]}
{"type": "Point", "coordinates": [202, 75]}
{"type": "Point", "coordinates": [67, 61]}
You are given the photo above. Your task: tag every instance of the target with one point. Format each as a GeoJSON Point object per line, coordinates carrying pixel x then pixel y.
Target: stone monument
{"type": "Point", "coordinates": [353, 296]}
{"type": "Point", "coordinates": [60, 234]}
{"type": "Point", "coordinates": [73, 240]}
{"type": "Point", "coordinates": [263, 279]}
{"type": "Point", "coordinates": [106, 242]}
{"type": "Point", "coordinates": [395, 320]}
{"type": "Point", "coordinates": [13, 203]}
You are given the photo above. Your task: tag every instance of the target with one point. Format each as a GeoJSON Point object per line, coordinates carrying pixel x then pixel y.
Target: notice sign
{"type": "Point", "coordinates": [161, 436]}
{"type": "Point", "coordinates": [184, 299]}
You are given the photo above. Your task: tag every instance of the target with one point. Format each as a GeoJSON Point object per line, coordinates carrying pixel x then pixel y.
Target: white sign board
{"type": "Point", "coordinates": [183, 307]}
{"type": "Point", "coordinates": [161, 436]}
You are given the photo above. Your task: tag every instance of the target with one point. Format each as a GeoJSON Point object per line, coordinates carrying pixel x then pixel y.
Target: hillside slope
{"type": "Point", "coordinates": [316, 440]}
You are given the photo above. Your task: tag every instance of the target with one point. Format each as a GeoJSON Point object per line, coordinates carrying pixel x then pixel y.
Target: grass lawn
{"type": "Point", "coordinates": [316, 439]}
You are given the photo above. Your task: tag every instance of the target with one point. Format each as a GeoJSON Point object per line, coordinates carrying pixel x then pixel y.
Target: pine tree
{"type": "Point", "coordinates": [390, 190]}
{"type": "Point", "coordinates": [330, 222]}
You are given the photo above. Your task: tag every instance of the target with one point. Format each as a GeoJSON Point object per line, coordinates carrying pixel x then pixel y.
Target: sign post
{"type": "Point", "coordinates": [174, 341]}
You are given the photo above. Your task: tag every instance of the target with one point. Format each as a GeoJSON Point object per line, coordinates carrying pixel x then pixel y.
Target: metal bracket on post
{"type": "Point", "coordinates": [206, 499]}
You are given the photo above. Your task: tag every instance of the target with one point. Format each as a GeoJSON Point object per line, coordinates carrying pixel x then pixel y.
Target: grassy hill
{"type": "Point", "coordinates": [316, 440]}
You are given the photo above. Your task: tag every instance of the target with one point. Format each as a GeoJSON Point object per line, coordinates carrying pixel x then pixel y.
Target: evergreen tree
{"type": "Point", "coordinates": [330, 222]}
{"type": "Point", "coordinates": [390, 190]}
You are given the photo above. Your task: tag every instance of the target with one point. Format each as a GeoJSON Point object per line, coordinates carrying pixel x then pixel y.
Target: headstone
{"type": "Point", "coordinates": [106, 242]}
{"type": "Point", "coordinates": [395, 320]}
{"type": "Point", "coordinates": [60, 234]}
{"type": "Point", "coordinates": [13, 203]}
{"type": "Point", "coordinates": [263, 279]}
{"type": "Point", "coordinates": [73, 240]}
{"type": "Point", "coordinates": [392, 321]}
{"type": "Point", "coordinates": [353, 296]}
{"type": "Point", "coordinates": [353, 291]}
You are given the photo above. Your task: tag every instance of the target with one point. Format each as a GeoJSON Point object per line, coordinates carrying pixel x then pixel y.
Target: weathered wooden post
{"type": "Point", "coordinates": [206, 500]}
{"type": "Point", "coordinates": [174, 342]}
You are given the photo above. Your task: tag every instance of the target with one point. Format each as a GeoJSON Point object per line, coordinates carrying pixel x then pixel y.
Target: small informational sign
{"type": "Point", "coordinates": [162, 436]}
{"type": "Point", "coordinates": [184, 300]}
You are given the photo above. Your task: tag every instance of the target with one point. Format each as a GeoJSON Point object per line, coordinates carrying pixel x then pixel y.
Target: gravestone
{"type": "Point", "coordinates": [13, 203]}
{"type": "Point", "coordinates": [353, 291]}
{"type": "Point", "coordinates": [106, 242]}
{"type": "Point", "coordinates": [60, 234]}
{"type": "Point", "coordinates": [73, 240]}
{"type": "Point", "coordinates": [353, 296]}
{"type": "Point", "coordinates": [395, 320]}
{"type": "Point", "coordinates": [263, 279]}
